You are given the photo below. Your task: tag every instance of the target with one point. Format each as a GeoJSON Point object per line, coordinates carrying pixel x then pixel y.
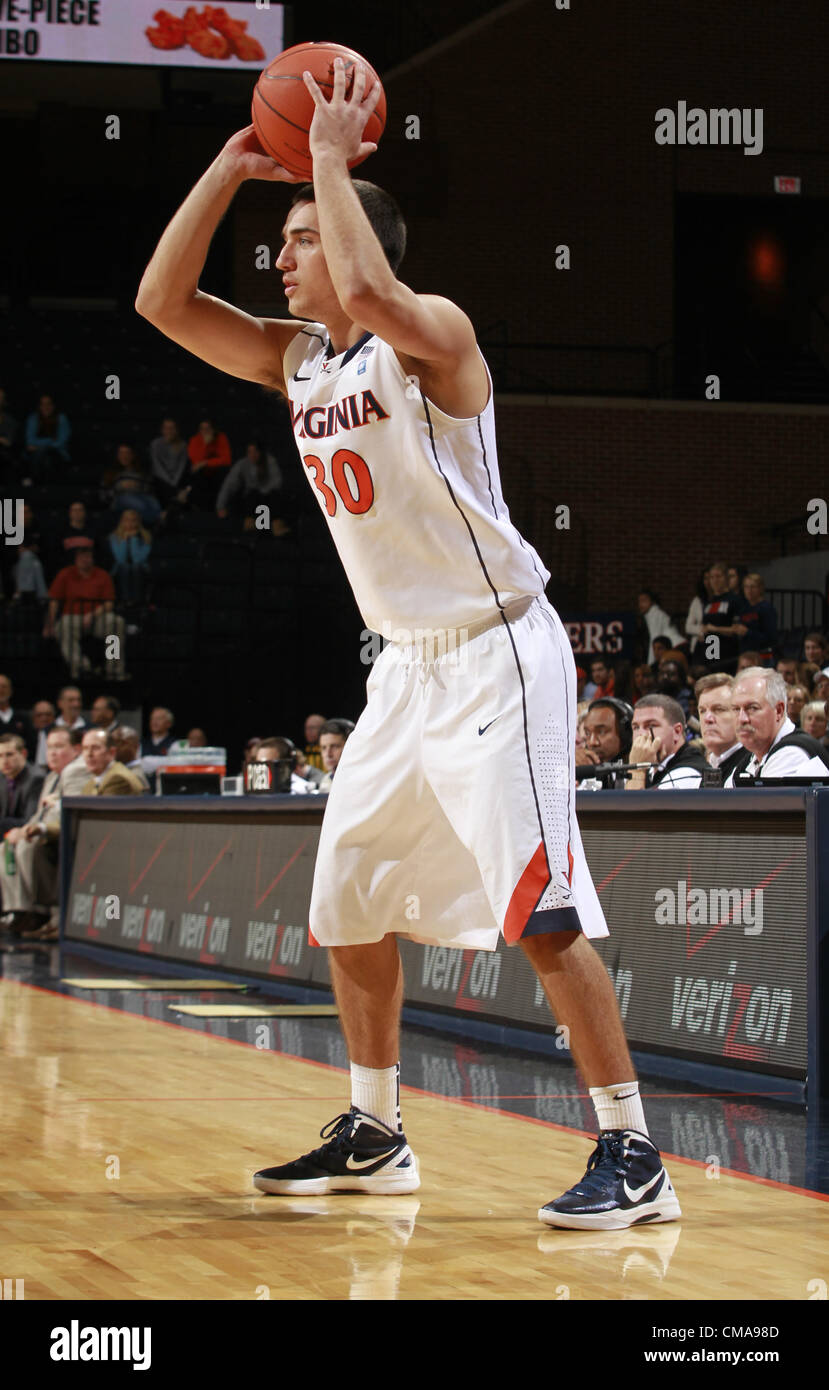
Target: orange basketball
{"type": "Point", "coordinates": [283, 108]}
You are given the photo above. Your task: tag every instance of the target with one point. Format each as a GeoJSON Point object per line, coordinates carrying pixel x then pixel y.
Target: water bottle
{"type": "Point", "coordinates": [11, 862]}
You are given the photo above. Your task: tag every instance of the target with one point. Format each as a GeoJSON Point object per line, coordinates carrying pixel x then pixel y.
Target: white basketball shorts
{"type": "Point", "coordinates": [451, 816]}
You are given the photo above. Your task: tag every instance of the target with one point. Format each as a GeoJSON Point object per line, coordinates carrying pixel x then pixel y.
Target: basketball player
{"type": "Point", "coordinates": [451, 817]}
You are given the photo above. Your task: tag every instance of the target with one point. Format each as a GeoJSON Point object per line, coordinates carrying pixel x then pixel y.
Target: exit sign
{"type": "Point", "coordinates": [785, 183]}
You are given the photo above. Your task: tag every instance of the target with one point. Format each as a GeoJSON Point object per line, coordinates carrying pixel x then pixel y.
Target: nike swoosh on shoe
{"type": "Point", "coordinates": [353, 1163]}
{"type": "Point", "coordinates": [635, 1195]}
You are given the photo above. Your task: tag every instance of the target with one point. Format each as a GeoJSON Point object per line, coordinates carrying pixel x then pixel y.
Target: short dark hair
{"type": "Point", "coordinates": [382, 211]}
{"type": "Point", "coordinates": [114, 705]}
{"type": "Point", "coordinates": [671, 708]}
{"type": "Point", "coordinates": [341, 727]}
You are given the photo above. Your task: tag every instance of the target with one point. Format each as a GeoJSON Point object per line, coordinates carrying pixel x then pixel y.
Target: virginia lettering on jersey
{"type": "Point", "coordinates": [320, 421]}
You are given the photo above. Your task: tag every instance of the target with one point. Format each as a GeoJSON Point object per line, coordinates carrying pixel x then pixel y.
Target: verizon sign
{"type": "Point", "coordinates": [707, 914]}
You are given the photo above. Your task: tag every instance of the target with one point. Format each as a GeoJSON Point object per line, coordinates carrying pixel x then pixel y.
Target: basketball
{"type": "Point", "coordinates": [283, 108]}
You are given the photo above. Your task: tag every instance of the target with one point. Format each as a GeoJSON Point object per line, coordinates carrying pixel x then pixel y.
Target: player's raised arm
{"type": "Point", "coordinates": [426, 327]}
{"type": "Point", "coordinates": [169, 295]}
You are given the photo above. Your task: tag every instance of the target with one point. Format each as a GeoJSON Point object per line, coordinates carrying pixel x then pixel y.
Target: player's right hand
{"type": "Point", "coordinates": [247, 157]}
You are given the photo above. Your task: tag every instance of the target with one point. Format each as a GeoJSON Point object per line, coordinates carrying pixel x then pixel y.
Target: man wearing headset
{"type": "Point", "coordinates": [283, 753]}
{"type": "Point", "coordinates": [607, 738]}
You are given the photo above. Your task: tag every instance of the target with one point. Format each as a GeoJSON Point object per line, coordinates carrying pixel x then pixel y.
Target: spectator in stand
{"type": "Point", "coordinates": [43, 719]}
{"type": "Point", "coordinates": [130, 545]}
{"type": "Point", "coordinates": [22, 565]}
{"type": "Point", "coordinates": [169, 462]}
{"type": "Point", "coordinates": [70, 704]}
{"type": "Point", "coordinates": [104, 713]}
{"type": "Point", "coordinates": [787, 668]}
{"type": "Point", "coordinates": [763, 727]}
{"type": "Point", "coordinates": [735, 574]}
{"type": "Point", "coordinates": [581, 682]}
{"type": "Point", "coordinates": [644, 681]}
{"type": "Point", "coordinates": [661, 650]}
{"type": "Point", "coordinates": [127, 484]}
{"type": "Point", "coordinates": [820, 689]}
{"type": "Point", "coordinates": [813, 720]}
{"type": "Point", "coordinates": [108, 777]}
{"type": "Point", "coordinates": [11, 720]}
{"type": "Point", "coordinates": [659, 739]}
{"type": "Point", "coordinates": [85, 594]}
{"type": "Point", "coordinates": [197, 738]}
{"type": "Point", "coordinates": [332, 739]}
{"type": "Point", "coordinates": [657, 622]}
{"type": "Point", "coordinates": [47, 437]}
{"type": "Point", "coordinates": [693, 622]}
{"type": "Point", "coordinates": [125, 742]}
{"type": "Point", "coordinates": [255, 480]}
{"type": "Point", "coordinates": [209, 454]}
{"type": "Point", "coordinates": [160, 738]}
{"type": "Point", "coordinates": [746, 659]}
{"type": "Point", "coordinates": [8, 436]}
{"type": "Point", "coordinates": [720, 619]}
{"type": "Point", "coordinates": [602, 681]}
{"type": "Point", "coordinates": [313, 755]}
{"type": "Point", "coordinates": [671, 681]}
{"type": "Point", "coordinates": [756, 625]}
{"type": "Point", "coordinates": [20, 782]}
{"type": "Point", "coordinates": [718, 723]}
{"type": "Point", "coordinates": [77, 531]}
{"type": "Point", "coordinates": [796, 698]}
{"type": "Point", "coordinates": [816, 649]}
{"type": "Point", "coordinates": [28, 578]}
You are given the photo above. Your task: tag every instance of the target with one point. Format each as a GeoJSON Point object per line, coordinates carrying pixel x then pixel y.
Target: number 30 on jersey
{"type": "Point", "coordinates": [352, 482]}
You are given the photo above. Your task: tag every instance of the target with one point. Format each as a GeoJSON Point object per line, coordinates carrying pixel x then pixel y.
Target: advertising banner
{"type": "Point", "coordinates": [707, 952]}
{"type": "Point", "coordinates": [224, 37]}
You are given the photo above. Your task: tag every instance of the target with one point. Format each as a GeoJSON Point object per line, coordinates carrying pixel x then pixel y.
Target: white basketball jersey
{"type": "Point", "coordinates": [412, 495]}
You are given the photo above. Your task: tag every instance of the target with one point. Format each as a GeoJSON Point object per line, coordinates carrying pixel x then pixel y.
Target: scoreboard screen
{"type": "Point", "coordinates": [238, 34]}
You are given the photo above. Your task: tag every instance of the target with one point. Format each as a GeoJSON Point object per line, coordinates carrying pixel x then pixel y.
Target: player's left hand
{"type": "Point", "coordinates": [338, 124]}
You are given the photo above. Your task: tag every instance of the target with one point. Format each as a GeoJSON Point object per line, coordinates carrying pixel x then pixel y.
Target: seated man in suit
{"type": "Point", "coordinates": [20, 782]}
{"type": "Point", "coordinates": [108, 777]}
{"type": "Point", "coordinates": [29, 866]}
{"type": "Point", "coordinates": [718, 723]}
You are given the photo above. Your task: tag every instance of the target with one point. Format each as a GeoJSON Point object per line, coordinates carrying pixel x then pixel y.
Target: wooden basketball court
{"type": "Point", "coordinates": [129, 1148]}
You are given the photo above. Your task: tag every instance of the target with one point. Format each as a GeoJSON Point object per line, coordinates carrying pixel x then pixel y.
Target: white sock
{"type": "Point", "coordinates": [619, 1106]}
{"type": "Point", "coordinates": [376, 1091]}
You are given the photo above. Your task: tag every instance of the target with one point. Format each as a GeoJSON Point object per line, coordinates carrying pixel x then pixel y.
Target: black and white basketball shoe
{"type": "Point", "coordinates": [625, 1185]}
{"type": "Point", "coordinates": [361, 1155]}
